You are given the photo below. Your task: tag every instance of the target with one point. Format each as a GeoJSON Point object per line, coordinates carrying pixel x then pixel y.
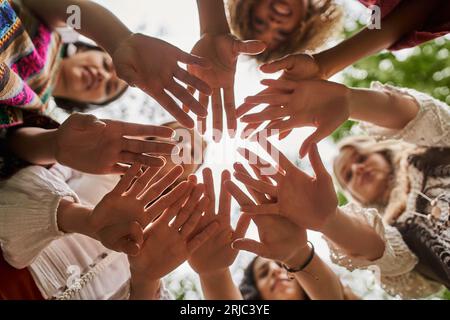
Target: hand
{"type": "Point", "coordinates": [295, 67]}
{"type": "Point", "coordinates": [309, 202]}
{"type": "Point", "coordinates": [152, 64]}
{"type": "Point", "coordinates": [317, 103]}
{"type": "Point", "coordinates": [222, 51]}
{"type": "Point", "coordinates": [97, 146]}
{"type": "Point", "coordinates": [119, 218]}
{"type": "Point", "coordinates": [280, 239]}
{"type": "Point", "coordinates": [166, 246]}
{"type": "Point", "coordinates": [217, 254]}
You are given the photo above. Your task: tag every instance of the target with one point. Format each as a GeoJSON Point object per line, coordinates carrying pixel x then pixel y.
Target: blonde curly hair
{"type": "Point", "coordinates": [322, 22]}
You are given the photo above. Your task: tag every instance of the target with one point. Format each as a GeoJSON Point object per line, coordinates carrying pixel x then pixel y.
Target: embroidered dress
{"type": "Point", "coordinates": [30, 53]}
{"type": "Point", "coordinates": [62, 266]}
{"type": "Point", "coordinates": [437, 24]}
{"type": "Point", "coordinates": [416, 261]}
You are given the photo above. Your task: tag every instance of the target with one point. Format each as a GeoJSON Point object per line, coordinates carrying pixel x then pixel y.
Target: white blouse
{"type": "Point", "coordinates": [430, 128]}
{"type": "Point", "coordinates": [70, 266]}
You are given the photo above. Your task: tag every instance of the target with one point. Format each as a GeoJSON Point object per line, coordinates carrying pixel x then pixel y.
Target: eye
{"type": "Point", "coordinates": [107, 65]}
{"type": "Point", "coordinates": [361, 158]}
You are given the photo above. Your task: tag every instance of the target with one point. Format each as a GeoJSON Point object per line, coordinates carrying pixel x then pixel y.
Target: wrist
{"type": "Point", "coordinates": [121, 36]}
{"type": "Point", "coordinates": [324, 63]}
{"type": "Point", "coordinates": [299, 258]}
{"type": "Point", "coordinates": [142, 288]}
{"type": "Point", "coordinates": [215, 275]}
{"type": "Point", "coordinates": [331, 222]}
{"type": "Point", "coordinates": [74, 218]}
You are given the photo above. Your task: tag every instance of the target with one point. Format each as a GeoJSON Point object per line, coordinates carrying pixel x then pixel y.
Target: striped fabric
{"type": "Point", "coordinates": [30, 53]}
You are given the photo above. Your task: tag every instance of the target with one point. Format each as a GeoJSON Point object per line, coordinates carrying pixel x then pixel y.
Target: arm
{"type": "Point", "coordinates": [89, 145]}
{"type": "Point", "coordinates": [406, 17]}
{"type": "Point", "coordinates": [100, 30]}
{"type": "Point", "coordinates": [35, 145]}
{"type": "Point", "coordinates": [212, 17]}
{"type": "Point", "coordinates": [409, 115]}
{"type": "Point", "coordinates": [382, 108]}
{"type": "Point", "coordinates": [342, 229]}
{"type": "Point", "coordinates": [317, 279]}
{"type": "Point", "coordinates": [219, 286]}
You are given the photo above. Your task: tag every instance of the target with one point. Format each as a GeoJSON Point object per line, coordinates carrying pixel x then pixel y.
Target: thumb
{"type": "Point", "coordinates": [285, 63]}
{"type": "Point", "coordinates": [251, 47]}
{"type": "Point", "coordinates": [314, 138]}
{"type": "Point", "coordinates": [249, 245]}
{"type": "Point", "coordinates": [316, 162]}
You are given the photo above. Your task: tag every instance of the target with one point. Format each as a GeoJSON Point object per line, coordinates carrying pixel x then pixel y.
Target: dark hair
{"type": "Point", "coordinates": [78, 106]}
{"type": "Point", "coordinates": [248, 287]}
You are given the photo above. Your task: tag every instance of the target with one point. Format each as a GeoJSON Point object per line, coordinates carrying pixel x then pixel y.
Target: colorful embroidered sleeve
{"type": "Point", "coordinates": [437, 25]}
{"type": "Point", "coordinates": [29, 58]}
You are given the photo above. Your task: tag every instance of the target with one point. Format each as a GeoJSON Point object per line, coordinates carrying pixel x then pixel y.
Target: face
{"type": "Point", "coordinates": [365, 177]}
{"type": "Point", "coordinates": [275, 20]}
{"type": "Point", "coordinates": [273, 282]}
{"type": "Point", "coordinates": [90, 77]}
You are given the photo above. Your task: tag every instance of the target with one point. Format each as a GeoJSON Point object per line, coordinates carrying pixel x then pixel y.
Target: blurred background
{"type": "Point", "coordinates": [425, 68]}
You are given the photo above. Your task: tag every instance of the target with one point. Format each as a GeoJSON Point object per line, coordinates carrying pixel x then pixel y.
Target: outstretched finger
{"type": "Point", "coordinates": [191, 223]}
{"type": "Point", "coordinates": [165, 201]}
{"type": "Point", "coordinates": [192, 81]}
{"type": "Point", "coordinates": [169, 104]}
{"type": "Point", "coordinates": [217, 111]}
{"type": "Point", "coordinates": [187, 99]}
{"type": "Point", "coordinates": [126, 180]}
{"type": "Point", "coordinates": [250, 246]}
{"type": "Point", "coordinates": [230, 110]}
{"type": "Point", "coordinates": [269, 113]}
{"type": "Point", "coordinates": [187, 209]}
{"type": "Point", "coordinates": [153, 191]}
{"type": "Point", "coordinates": [285, 63]}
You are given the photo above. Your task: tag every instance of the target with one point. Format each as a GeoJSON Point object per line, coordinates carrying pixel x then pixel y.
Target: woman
{"type": "Point", "coordinates": [60, 251]}
{"type": "Point", "coordinates": [265, 279]}
{"type": "Point", "coordinates": [400, 187]}
{"type": "Point", "coordinates": [32, 51]}
{"type": "Point", "coordinates": [285, 26]}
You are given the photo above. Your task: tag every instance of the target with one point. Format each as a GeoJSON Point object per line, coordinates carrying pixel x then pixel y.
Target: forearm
{"type": "Point", "coordinates": [317, 280]}
{"type": "Point", "coordinates": [143, 289]}
{"type": "Point", "coordinates": [384, 109]}
{"type": "Point", "coordinates": [74, 218]}
{"type": "Point", "coordinates": [35, 145]}
{"type": "Point", "coordinates": [212, 17]}
{"type": "Point", "coordinates": [354, 236]}
{"type": "Point", "coordinates": [97, 22]}
{"type": "Point", "coordinates": [408, 16]}
{"type": "Point", "coordinates": [219, 286]}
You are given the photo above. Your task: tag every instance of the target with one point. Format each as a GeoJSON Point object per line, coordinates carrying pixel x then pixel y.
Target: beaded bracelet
{"type": "Point", "coordinates": [305, 264]}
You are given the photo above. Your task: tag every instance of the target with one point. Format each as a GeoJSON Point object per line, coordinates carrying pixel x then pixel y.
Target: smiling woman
{"type": "Point", "coordinates": [286, 26]}
{"type": "Point", "coordinates": [87, 77]}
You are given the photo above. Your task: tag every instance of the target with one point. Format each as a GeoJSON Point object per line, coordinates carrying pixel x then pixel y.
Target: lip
{"type": "Point", "coordinates": [277, 282]}
{"type": "Point", "coordinates": [281, 8]}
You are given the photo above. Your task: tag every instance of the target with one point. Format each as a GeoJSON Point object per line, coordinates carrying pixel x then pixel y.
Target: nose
{"type": "Point", "coordinates": [276, 271]}
{"type": "Point", "coordinates": [357, 168]}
